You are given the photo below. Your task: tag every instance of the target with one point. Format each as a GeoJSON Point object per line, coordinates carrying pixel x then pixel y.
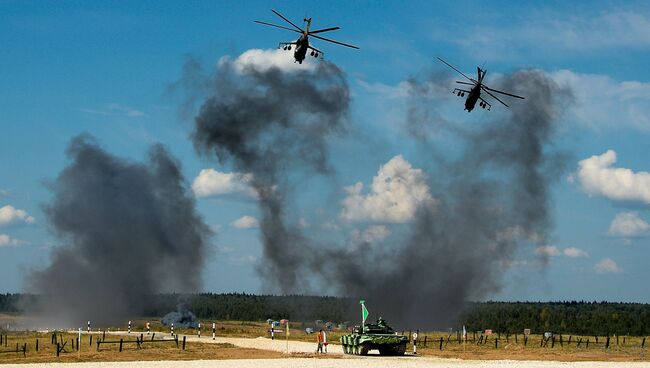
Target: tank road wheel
{"type": "Point", "coordinates": [401, 349]}
{"type": "Point", "coordinates": [386, 351]}
{"type": "Point", "coordinates": [365, 347]}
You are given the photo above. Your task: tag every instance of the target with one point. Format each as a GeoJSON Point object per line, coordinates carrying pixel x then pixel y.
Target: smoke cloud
{"type": "Point", "coordinates": [129, 230]}
{"type": "Point", "coordinates": [272, 121]}
{"type": "Point", "coordinates": [489, 199]}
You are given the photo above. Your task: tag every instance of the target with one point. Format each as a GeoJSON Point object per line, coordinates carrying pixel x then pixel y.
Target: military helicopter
{"type": "Point", "coordinates": [474, 94]}
{"type": "Point", "coordinates": [302, 43]}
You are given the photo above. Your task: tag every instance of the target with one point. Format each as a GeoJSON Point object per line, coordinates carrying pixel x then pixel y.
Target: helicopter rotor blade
{"type": "Point", "coordinates": [501, 92]}
{"type": "Point", "coordinates": [461, 73]}
{"type": "Point", "coordinates": [495, 97]}
{"type": "Point", "coordinates": [287, 20]}
{"type": "Point", "coordinates": [336, 42]}
{"type": "Point", "coordinates": [275, 25]}
{"type": "Point", "coordinates": [324, 30]}
{"type": "Point", "coordinates": [469, 84]}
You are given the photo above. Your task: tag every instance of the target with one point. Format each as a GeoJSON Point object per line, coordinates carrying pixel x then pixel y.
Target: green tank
{"type": "Point", "coordinates": [377, 336]}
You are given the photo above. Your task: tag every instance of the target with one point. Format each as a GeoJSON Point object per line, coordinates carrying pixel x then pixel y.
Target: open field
{"type": "Point", "coordinates": [149, 352]}
{"type": "Point", "coordinates": [237, 340]}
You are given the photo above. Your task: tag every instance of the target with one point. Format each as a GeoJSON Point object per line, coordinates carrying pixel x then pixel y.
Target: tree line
{"type": "Point", "coordinates": [570, 317]}
{"type": "Point", "coordinates": [566, 317]}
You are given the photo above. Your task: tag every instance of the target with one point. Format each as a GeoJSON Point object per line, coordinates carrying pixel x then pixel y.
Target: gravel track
{"type": "Point", "coordinates": [366, 362]}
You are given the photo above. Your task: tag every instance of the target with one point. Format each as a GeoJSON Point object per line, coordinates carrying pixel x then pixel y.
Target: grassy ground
{"type": "Point", "coordinates": [627, 348]}
{"type": "Point", "coordinates": [149, 351]}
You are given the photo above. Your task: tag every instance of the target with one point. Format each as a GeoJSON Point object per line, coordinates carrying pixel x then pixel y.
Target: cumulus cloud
{"type": "Point", "coordinates": [573, 252]}
{"type": "Point", "coordinates": [7, 241]}
{"type": "Point", "coordinates": [628, 225]}
{"type": "Point", "coordinates": [597, 176]}
{"type": "Point", "coordinates": [245, 222]}
{"type": "Point", "coordinates": [607, 265]}
{"type": "Point", "coordinates": [548, 250]}
{"type": "Point", "coordinates": [211, 182]}
{"type": "Point", "coordinates": [10, 215]}
{"type": "Point", "coordinates": [371, 234]}
{"type": "Point", "coordinates": [553, 251]}
{"type": "Point", "coordinates": [395, 195]}
{"type": "Point", "coordinates": [262, 60]}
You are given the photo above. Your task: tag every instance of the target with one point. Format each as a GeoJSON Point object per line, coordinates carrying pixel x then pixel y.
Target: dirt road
{"type": "Point", "coordinates": [347, 362]}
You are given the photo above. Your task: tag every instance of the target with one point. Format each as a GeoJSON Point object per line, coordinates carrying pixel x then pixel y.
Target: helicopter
{"type": "Point", "coordinates": [474, 94]}
{"type": "Point", "coordinates": [302, 44]}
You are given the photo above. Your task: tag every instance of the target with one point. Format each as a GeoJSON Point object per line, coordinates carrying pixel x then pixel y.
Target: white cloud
{"type": "Point", "coordinates": [245, 222]}
{"type": "Point", "coordinates": [211, 182]}
{"type": "Point", "coordinates": [263, 60]}
{"type": "Point", "coordinates": [371, 234]}
{"type": "Point", "coordinates": [597, 176]}
{"type": "Point", "coordinates": [395, 195]}
{"type": "Point", "coordinates": [548, 250]}
{"type": "Point", "coordinates": [10, 215]}
{"type": "Point", "coordinates": [617, 103]}
{"type": "Point", "coordinates": [628, 225]}
{"type": "Point", "coordinates": [115, 109]}
{"type": "Point", "coordinates": [573, 252]}
{"type": "Point", "coordinates": [553, 251]}
{"type": "Point", "coordinates": [556, 34]}
{"type": "Point", "coordinates": [607, 265]}
{"type": "Point", "coordinates": [7, 241]}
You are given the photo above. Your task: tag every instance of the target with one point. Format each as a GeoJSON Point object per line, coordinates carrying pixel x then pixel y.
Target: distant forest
{"type": "Point", "coordinates": [585, 318]}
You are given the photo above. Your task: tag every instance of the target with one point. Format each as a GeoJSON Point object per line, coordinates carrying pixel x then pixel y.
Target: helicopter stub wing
{"type": "Point", "coordinates": [458, 91]}
{"type": "Point", "coordinates": [485, 103]}
{"type": "Point", "coordinates": [285, 44]}
{"type": "Point", "coordinates": [317, 51]}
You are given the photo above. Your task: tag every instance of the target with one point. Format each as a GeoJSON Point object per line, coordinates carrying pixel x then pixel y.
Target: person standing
{"type": "Point", "coordinates": [319, 337]}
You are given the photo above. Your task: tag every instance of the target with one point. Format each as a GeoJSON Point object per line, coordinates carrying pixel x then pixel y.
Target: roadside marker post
{"type": "Point", "coordinates": [214, 330]}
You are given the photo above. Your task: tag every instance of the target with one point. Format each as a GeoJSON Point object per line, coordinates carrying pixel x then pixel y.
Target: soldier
{"type": "Point", "coordinates": [320, 338]}
{"type": "Point", "coordinates": [381, 323]}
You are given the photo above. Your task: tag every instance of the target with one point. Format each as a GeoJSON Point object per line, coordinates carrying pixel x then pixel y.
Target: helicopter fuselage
{"type": "Point", "coordinates": [473, 96]}
{"type": "Point", "coordinates": [302, 45]}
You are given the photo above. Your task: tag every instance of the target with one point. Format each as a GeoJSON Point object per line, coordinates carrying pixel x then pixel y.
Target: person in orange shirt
{"type": "Point", "coordinates": [321, 339]}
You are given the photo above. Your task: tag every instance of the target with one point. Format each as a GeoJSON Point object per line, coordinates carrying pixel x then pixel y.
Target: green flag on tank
{"type": "Point", "coordinates": [364, 311]}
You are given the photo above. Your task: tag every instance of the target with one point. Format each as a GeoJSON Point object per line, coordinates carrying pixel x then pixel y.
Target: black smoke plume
{"type": "Point", "coordinates": [129, 230]}
{"type": "Point", "coordinates": [272, 123]}
{"type": "Point", "coordinates": [490, 200]}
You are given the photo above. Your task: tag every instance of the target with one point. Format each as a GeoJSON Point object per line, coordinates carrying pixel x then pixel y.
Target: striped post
{"type": "Point", "coordinates": [172, 328]}
{"type": "Point", "coordinates": [214, 330]}
{"type": "Point", "coordinates": [88, 326]}
{"type": "Point", "coordinates": [199, 331]}
{"type": "Point", "coordinates": [129, 326]}
{"type": "Point", "coordinates": [148, 328]}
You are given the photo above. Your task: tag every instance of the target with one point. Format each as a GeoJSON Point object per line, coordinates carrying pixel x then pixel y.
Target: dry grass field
{"type": "Point", "coordinates": [627, 348]}
{"type": "Point", "coordinates": [149, 351]}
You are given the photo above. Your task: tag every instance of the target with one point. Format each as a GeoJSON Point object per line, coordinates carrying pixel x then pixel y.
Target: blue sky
{"type": "Point", "coordinates": [106, 68]}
